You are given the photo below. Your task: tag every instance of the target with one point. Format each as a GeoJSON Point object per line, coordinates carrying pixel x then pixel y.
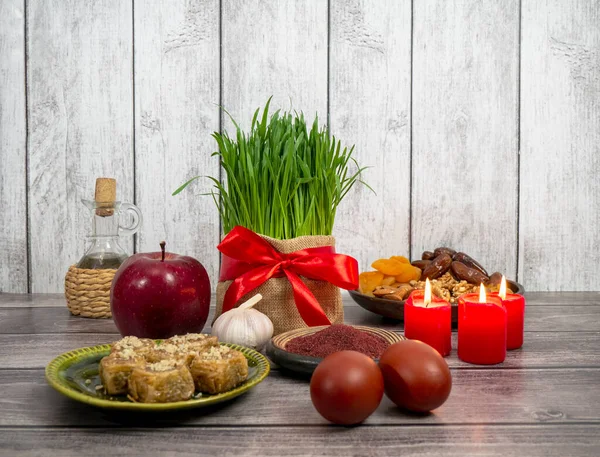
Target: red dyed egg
{"type": "Point", "coordinates": [346, 387]}
{"type": "Point", "coordinates": [416, 376]}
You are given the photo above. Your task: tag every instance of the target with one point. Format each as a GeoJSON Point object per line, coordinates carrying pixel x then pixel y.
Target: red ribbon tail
{"type": "Point", "coordinates": [306, 303]}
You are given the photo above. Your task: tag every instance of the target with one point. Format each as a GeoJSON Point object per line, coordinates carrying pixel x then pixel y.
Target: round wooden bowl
{"type": "Point", "coordinates": [394, 309]}
{"type": "Point", "coordinates": [305, 365]}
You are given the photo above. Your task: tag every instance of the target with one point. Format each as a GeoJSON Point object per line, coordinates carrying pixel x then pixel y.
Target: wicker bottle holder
{"type": "Point", "coordinates": [88, 292]}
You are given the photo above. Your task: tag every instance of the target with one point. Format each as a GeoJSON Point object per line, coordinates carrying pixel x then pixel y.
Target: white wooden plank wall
{"type": "Point", "coordinates": [13, 178]}
{"type": "Point", "coordinates": [274, 48]}
{"type": "Point", "coordinates": [560, 145]}
{"type": "Point", "coordinates": [370, 107]}
{"type": "Point", "coordinates": [437, 96]}
{"type": "Point", "coordinates": [465, 90]}
{"type": "Point", "coordinates": [176, 96]}
{"type": "Point", "coordinates": [80, 92]}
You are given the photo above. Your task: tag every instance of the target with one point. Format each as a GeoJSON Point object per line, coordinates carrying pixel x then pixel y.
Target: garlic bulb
{"type": "Point", "coordinates": [244, 326]}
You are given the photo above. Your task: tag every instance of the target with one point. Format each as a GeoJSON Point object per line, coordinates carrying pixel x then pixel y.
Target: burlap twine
{"type": "Point", "coordinates": [278, 296]}
{"type": "Point", "coordinates": [88, 292]}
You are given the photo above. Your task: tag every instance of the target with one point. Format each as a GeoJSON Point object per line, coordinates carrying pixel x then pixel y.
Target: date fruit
{"type": "Point", "coordinates": [471, 275]}
{"type": "Point", "coordinates": [427, 255]}
{"type": "Point", "coordinates": [437, 267]}
{"type": "Point", "coordinates": [443, 250]}
{"type": "Point", "coordinates": [469, 261]}
{"type": "Point", "coordinates": [495, 279]}
{"type": "Point", "coordinates": [422, 264]}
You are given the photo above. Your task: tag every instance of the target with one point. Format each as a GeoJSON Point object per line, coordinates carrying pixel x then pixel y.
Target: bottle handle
{"type": "Point", "coordinates": [136, 219]}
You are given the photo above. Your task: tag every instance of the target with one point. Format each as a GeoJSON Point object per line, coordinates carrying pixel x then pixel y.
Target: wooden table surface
{"type": "Point", "coordinates": [542, 401]}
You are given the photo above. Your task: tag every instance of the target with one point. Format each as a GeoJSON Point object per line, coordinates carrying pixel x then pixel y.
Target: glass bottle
{"type": "Point", "coordinates": [104, 250]}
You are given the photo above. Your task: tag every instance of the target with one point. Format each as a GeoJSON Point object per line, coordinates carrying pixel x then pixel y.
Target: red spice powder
{"type": "Point", "coordinates": [337, 337]}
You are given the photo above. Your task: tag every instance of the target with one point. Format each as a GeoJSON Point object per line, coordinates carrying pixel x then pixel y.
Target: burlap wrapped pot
{"type": "Point", "coordinates": [278, 296]}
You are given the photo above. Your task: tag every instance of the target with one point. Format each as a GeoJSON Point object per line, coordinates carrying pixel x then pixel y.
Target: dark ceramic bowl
{"type": "Point", "coordinates": [394, 309]}
{"type": "Point", "coordinates": [305, 365]}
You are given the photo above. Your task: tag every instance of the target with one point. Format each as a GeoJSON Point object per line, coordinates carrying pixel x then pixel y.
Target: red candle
{"type": "Point", "coordinates": [427, 319]}
{"type": "Point", "coordinates": [481, 329]}
{"type": "Point", "coordinates": [515, 312]}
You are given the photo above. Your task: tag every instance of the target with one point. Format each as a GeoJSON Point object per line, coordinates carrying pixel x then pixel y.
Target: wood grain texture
{"type": "Point", "coordinates": [464, 173]}
{"type": "Point", "coordinates": [559, 318]}
{"type": "Point", "coordinates": [560, 145]}
{"type": "Point", "coordinates": [32, 300]}
{"type": "Point", "coordinates": [549, 318]}
{"type": "Point", "coordinates": [80, 123]}
{"type": "Point", "coordinates": [540, 350]}
{"type": "Point", "coordinates": [274, 48]}
{"type": "Point", "coordinates": [177, 93]}
{"type": "Point", "coordinates": [370, 108]}
{"type": "Point", "coordinates": [58, 320]}
{"type": "Point", "coordinates": [533, 299]}
{"type": "Point", "coordinates": [13, 175]}
{"type": "Point", "coordinates": [465, 114]}
{"type": "Point", "coordinates": [510, 397]}
{"type": "Point", "coordinates": [541, 401]}
{"type": "Point", "coordinates": [505, 441]}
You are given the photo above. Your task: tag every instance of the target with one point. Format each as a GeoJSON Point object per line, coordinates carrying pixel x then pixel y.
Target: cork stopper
{"type": "Point", "coordinates": [106, 195]}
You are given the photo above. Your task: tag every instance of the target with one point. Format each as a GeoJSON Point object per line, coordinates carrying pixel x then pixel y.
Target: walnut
{"type": "Point", "coordinates": [462, 287]}
{"type": "Point", "coordinates": [447, 280]}
{"type": "Point", "coordinates": [419, 285]}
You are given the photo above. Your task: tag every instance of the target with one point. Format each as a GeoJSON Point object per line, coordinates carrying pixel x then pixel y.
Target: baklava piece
{"type": "Point", "coordinates": [161, 382]}
{"type": "Point", "coordinates": [168, 351]}
{"type": "Point", "coordinates": [196, 342]}
{"type": "Point", "coordinates": [219, 369]}
{"type": "Point", "coordinates": [182, 348]}
{"type": "Point", "coordinates": [141, 346]}
{"type": "Point", "coordinates": [115, 370]}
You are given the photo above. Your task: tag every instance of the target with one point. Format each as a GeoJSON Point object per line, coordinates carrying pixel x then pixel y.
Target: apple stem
{"type": "Point", "coordinates": [162, 248]}
{"type": "Point", "coordinates": [250, 303]}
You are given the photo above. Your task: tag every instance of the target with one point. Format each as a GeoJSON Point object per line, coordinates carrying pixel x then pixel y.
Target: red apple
{"type": "Point", "coordinates": [160, 294]}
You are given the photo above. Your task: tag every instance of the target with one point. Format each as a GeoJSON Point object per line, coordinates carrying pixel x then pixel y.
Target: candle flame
{"type": "Point", "coordinates": [502, 291]}
{"type": "Point", "coordinates": [427, 294]}
{"type": "Point", "coordinates": [482, 297]}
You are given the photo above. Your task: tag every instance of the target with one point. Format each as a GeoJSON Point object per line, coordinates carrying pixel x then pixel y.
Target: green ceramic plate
{"type": "Point", "coordinates": [75, 374]}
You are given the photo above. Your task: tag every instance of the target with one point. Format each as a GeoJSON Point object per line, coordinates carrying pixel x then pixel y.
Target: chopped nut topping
{"type": "Point", "coordinates": [170, 348]}
{"type": "Point", "coordinates": [163, 365]}
{"type": "Point", "coordinates": [126, 353]}
{"type": "Point", "coordinates": [129, 341]}
{"type": "Point", "coordinates": [216, 353]}
{"type": "Point", "coordinates": [179, 339]}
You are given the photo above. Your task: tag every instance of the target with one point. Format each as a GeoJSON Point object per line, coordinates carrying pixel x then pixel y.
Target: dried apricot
{"type": "Point", "coordinates": [418, 273]}
{"type": "Point", "coordinates": [389, 267]}
{"type": "Point", "coordinates": [388, 280]}
{"type": "Point", "coordinates": [409, 273]}
{"type": "Point", "coordinates": [400, 258]}
{"type": "Point", "coordinates": [368, 280]}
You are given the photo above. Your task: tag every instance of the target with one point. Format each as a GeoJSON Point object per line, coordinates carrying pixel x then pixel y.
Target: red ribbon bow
{"type": "Point", "coordinates": [249, 260]}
